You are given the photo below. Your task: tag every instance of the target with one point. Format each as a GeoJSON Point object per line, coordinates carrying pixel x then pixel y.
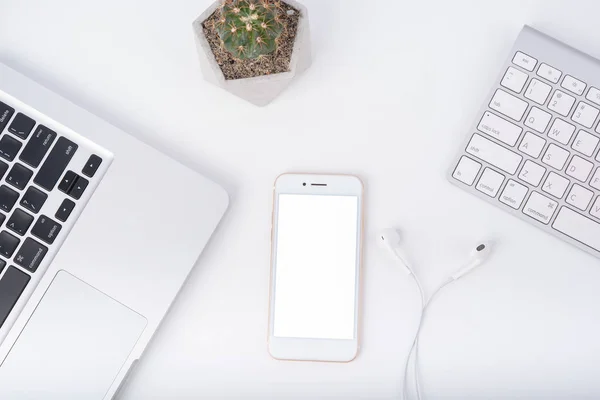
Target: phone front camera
{"type": "Point", "coordinates": [304, 184]}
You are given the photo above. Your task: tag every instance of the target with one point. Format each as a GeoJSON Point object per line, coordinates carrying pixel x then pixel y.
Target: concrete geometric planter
{"type": "Point", "coordinates": [260, 90]}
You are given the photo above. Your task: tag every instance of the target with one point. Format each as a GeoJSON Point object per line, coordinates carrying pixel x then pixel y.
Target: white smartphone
{"type": "Point", "coordinates": [315, 267]}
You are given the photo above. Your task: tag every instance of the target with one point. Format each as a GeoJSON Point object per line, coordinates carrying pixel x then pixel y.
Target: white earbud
{"type": "Point", "coordinates": [477, 257]}
{"type": "Point", "coordinates": [390, 239]}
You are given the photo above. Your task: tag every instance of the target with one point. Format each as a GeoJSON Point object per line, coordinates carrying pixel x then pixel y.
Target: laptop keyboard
{"type": "Point", "coordinates": [40, 188]}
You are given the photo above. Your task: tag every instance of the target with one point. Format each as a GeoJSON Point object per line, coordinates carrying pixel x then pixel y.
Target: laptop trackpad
{"type": "Point", "coordinates": [73, 347]}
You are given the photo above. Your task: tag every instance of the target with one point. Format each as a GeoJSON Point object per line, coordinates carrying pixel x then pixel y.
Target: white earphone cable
{"type": "Point", "coordinates": [409, 356]}
{"type": "Point", "coordinates": [390, 238]}
{"type": "Point", "coordinates": [422, 295]}
{"type": "Point", "coordinates": [414, 347]}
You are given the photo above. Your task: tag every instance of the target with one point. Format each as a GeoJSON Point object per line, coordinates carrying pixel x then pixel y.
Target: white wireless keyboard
{"type": "Point", "coordinates": [534, 147]}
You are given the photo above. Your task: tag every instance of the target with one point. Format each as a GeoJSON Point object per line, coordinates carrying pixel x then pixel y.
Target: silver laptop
{"type": "Point", "coordinates": [98, 233]}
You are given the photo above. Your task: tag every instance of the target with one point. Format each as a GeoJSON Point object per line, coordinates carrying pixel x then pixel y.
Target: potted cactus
{"type": "Point", "coordinates": [253, 48]}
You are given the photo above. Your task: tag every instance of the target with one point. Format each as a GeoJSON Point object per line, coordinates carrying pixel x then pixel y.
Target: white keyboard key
{"type": "Point", "coordinates": [573, 85]}
{"type": "Point", "coordinates": [585, 114]}
{"type": "Point", "coordinates": [561, 131]}
{"type": "Point", "coordinates": [555, 157]}
{"type": "Point", "coordinates": [538, 120]}
{"type": "Point", "coordinates": [466, 171]}
{"type": "Point", "coordinates": [538, 91]}
{"type": "Point", "coordinates": [580, 169]}
{"type": "Point", "coordinates": [494, 154]}
{"type": "Point", "coordinates": [540, 207]}
{"type": "Point", "coordinates": [532, 145]}
{"type": "Point", "coordinates": [595, 211]}
{"type": "Point", "coordinates": [580, 197]}
{"type": "Point", "coordinates": [549, 73]}
{"type": "Point", "coordinates": [513, 195]}
{"type": "Point", "coordinates": [500, 128]}
{"type": "Point", "coordinates": [524, 61]}
{"type": "Point", "coordinates": [585, 143]}
{"type": "Point", "coordinates": [561, 103]}
{"type": "Point", "coordinates": [532, 173]}
{"type": "Point", "coordinates": [578, 227]}
{"type": "Point", "coordinates": [508, 105]}
{"type": "Point", "coordinates": [595, 182]}
{"type": "Point", "coordinates": [490, 182]}
{"type": "Point", "coordinates": [514, 79]}
{"type": "Point", "coordinates": [556, 185]}
{"type": "Point", "coordinates": [593, 95]}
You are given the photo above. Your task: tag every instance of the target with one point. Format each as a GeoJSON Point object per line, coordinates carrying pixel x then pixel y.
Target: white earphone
{"type": "Point", "coordinates": [390, 240]}
{"type": "Point", "coordinates": [477, 257]}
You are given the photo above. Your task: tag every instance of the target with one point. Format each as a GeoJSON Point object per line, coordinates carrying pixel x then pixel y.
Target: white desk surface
{"type": "Point", "coordinates": [393, 87]}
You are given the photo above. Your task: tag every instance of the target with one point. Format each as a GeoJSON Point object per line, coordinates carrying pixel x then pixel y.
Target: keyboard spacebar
{"type": "Point", "coordinates": [578, 227]}
{"type": "Point", "coordinates": [12, 285]}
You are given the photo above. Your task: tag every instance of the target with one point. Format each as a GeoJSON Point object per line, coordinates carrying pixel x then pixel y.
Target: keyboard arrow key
{"type": "Point", "coordinates": [65, 210]}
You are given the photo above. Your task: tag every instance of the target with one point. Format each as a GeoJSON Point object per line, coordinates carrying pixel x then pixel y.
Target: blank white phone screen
{"type": "Point", "coordinates": [316, 266]}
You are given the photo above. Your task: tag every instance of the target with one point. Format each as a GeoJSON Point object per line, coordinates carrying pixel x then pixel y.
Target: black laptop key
{"type": "Point", "coordinates": [6, 113]}
{"type": "Point", "coordinates": [67, 181]}
{"type": "Point", "coordinates": [33, 199]}
{"type": "Point", "coordinates": [38, 146]}
{"type": "Point", "coordinates": [91, 166]}
{"type": "Point", "coordinates": [19, 176]}
{"type": "Point", "coordinates": [65, 210]}
{"type": "Point", "coordinates": [3, 169]}
{"type": "Point", "coordinates": [78, 188]}
{"type": "Point", "coordinates": [55, 164]}
{"type": "Point", "coordinates": [30, 255]}
{"type": "Point", "coordinates": [21, 126]}
{"type": "Point", "coordinates": [19, 222]}
{"type": "Point", "coordinates": [46, 229]}
{"type": "Point", "coordinates": [2, 265]}
{"type": "Point", "coordinates": [12, 285]}
{"type": "Point", "coordinates": [8, 198]}
{"type": "Point", "coordinates": [9, 147]}
{"type": "Point", "coordinates": [8, 244]}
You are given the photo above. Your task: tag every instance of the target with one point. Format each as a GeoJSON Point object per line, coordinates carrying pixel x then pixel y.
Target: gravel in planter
{"type": "Point", "coordinates": [274, 63]}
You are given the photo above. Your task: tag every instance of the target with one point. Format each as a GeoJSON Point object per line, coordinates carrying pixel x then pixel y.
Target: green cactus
{"type": "Point", "coordinates": [249, 28]}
